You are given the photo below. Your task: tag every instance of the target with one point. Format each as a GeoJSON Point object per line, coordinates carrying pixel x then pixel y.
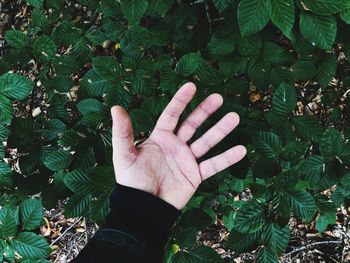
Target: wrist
{"type": "Point", "coordinates": [142, 214]}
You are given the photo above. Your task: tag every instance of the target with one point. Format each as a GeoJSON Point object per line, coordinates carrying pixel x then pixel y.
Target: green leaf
{"type": "Point", "coordinates": [5, 174]}
{"type": "Point", "coordinates": [345, 180]}
{"type": "Point", "coordinates": [318, 30]}
{"type": "Point", "coordinates": [93, 85]}
{"type": "Point", "coordinates": [283, 15]}
{"type": "Point", "coordinates": [331, 143]}
{"type": "Point", "coordinates": [268, 144]}
{"type": "Point", "coordinates": [30, 245]}
{"type": "Point", "coordinates": [155, 104]}
{"type": "Point", "coordinates": [186, 237]}
{"type": "Point", "coordinates": [117, 95]}
{"type": "Point", "coordinates": [58, 160]}
{"type": "Point", "coordinates": [6, 252]}
{"type": "Point", "coordinates": [44, 48]}
{"type": "Point", "coordinates": [313, 169]}
{"type": "Point", "coordinates": [266, 167]}
{"type": "Point", "coordinates": [197, 255]}
{"type": "Point", "coordinates": [206, 254]}
{"type": "Point", "coordinates": [250, 46]}
{"type": "Point", "coordinates": [100, 208]}
{"type": "Point", "coordinates": [65, 65]}
{"type": "Point", "coordinates": [275, 237]}
{"type": "Point", "coordinates": [39, 18]}
{"type": "Point", "coordinates": [35, 3]}
{"type": "Point", "coordinates": [93, 118]}
{"type": "Point", "coordinates": [294, 150]}
{"type": "Point", "coordinates": [228, 219]}
{"type": "Point", "coordinates": [31, 212]}
{"type": "Point", "coordinates": [16, 38]}
{"type": "Point", "coordinates": [8, 227]}
{"type": "Point", "coordinates": [169, 81]}
{"type": "Point", "coordinates": [284, 100]}
{"type": "Point", "coordinates": [345, 154]}
{"type": "Point", "coordinates": [56, 126]}
{"type": "Point", "coordinates": [141, 120]}
{"type": "Point", "coordinates": [61, 83]}
{"type": "Point", "coordinates": [242, 242]}
{"type": "Point", "coordinates": [78, 205]}
{"type": "Point", "coordinates": [251, 217]}
{"type": "Point", "coordinates": [221, 5]}
{"type": "Point", "coordinates": [323, 221]}
{"type": "Point", "coordinates": [89, 105]}
{"type": "Point", "coordinates": [328, 212]}
{"type": "Point", "coordinates": [280, 75]}
{"type": "Point", "coordinates": [188, 64]}
{"type": "Point", "coordinates": [107, 67]}
{"type": "Point", "coordinates": [274, 53]}
{"type": "Point", "coordinates": [303, 70]}
{"type": "Point", "coordinates": [4, 132]}
{"type": "Point", "coordinates": [160, 35]}
{"type": "Point", "coordinates": [79, 182]}
{"type": "Point", "coordinates": [223, 41]}
{"type": "Point", "coordinates": [301, 202]}
{"type": "Point", "coordinates": [345, 15]}
{"type": "Point", "coordinates": [196, 218]}
{"type": "Point", "coordinates": [279, 208]}
{"type": "Point", "coordinates": [5, 110]}
{"type": "Point", "coordinates": [337, 196]}
{"type": "Point", "coordinates": [15, 86]}
{"type": "Point", "coordinates": [253, 15]}
{"type": "Point", "coordinates": [183, 257]}
{"type": "Point", "coordinates": [307, 128]}
{"type": "Point", "coordinates": [133, 10]}
{"type": "Point", "coordinates": [325, 7]}
{"type": "Point", "coordinates": [2, 151]}
{"type": "Point", "coordinates": [161, 7]}
{"type": "Point", "coordinates": [327, 69]}
{"type": "Point", "coordinates": [143, 83]}
{"type": "Point", "coordinates": [266, 255]}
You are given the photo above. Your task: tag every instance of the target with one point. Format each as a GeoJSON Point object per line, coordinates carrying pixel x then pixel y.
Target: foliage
{"type": "Point", "coordinates": [89, 55]}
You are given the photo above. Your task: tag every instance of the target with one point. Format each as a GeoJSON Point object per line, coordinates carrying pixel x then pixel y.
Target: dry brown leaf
{"type": "Point", "coordinates": [254, 97]}
{"type": "Point", "coordinates": [46, 229]}
{"type": "Point", "coordinates": [80, 230]}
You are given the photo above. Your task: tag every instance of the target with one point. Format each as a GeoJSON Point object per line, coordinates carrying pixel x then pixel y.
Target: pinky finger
{"type": "Point", "coordinates": [220, 162]}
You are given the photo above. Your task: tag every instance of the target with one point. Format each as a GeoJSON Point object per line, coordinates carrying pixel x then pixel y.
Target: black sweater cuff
{"type": "Point", "coordinates": [142, 215]}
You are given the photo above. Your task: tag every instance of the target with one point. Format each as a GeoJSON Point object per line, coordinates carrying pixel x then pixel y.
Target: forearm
{"type": "Point", "coordinates": [137, 228]}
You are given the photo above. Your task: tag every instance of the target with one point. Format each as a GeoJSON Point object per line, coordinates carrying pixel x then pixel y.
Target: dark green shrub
{"type": "Point", "coordinates": [263, 56]}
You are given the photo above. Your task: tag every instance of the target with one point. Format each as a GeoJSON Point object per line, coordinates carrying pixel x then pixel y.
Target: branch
{"type": "Point", "coordinates": [311, 245]}
{"type": "Point", "coordinates": [65, 231]}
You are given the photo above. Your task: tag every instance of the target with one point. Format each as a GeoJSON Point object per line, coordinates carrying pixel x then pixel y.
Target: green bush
{"type": "Point", "coordinates": [67, 62]}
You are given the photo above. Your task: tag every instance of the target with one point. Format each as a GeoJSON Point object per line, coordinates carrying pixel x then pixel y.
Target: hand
{"type": "Point", "coordinates": [164, 164]}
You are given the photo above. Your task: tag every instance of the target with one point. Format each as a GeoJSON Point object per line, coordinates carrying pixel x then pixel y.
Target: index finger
{"type": "Point", "coordinates": [171, 114]}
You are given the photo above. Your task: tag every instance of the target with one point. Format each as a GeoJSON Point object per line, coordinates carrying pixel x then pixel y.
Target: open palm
{"type": "Point", "coordinates": [164, 164]}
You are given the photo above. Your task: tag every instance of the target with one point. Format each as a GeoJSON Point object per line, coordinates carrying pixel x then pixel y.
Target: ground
{"type": "Point", "coordinates": [68, 236]}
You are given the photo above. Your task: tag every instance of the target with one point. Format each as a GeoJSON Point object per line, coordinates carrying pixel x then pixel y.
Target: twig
{"type": "Point", "coordinates": [65, 231]}
{"type": "Point", "coordinates": [208, 15]}
{"type": "Point", "coordinates": [86, 232]}
{"type": "Point", "coordinates": [346, 239]}
{"type": "Point", "coordinates": [311, 245]}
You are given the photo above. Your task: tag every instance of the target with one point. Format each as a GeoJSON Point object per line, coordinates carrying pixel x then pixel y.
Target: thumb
{"type": "Point", "coordinates": [122, 135]}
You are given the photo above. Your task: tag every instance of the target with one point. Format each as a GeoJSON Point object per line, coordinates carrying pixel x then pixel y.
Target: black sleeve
{"type": "Point", "coordinates": [135, 230]}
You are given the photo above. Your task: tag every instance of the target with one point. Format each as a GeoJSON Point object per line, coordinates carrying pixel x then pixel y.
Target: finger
{"type": "Point", "coordinates": [215, 134]}
{"type": "Point", "coordinates": [220, 162]}
{"type": "Point", "coordinates": [198, 116]}
{"type": "Point", "coordinates": [122, 135]}
{"type": "Point", "coordinates": [171, 114]}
